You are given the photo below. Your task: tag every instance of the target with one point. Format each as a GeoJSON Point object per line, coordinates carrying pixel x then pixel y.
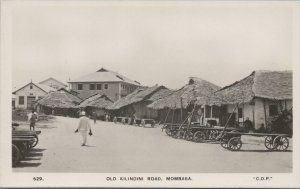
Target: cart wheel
{"type": "Point", "coordinates": [199, 136]}
{"type": "Point", "coordinates": [269, 142]}
{"type": "Point", "coordinates": [168, 132]}
{"type": "Point", "coordinates": [36, 140]}
{"type": "Point", "coordinates": [224, 144]}
{"type": "Point", "coordinates": [23, 149]}
{"type": "Point", "coordinates": [180, 134]}
{"type": "Point", "coordinates": [280, 143]}
{"type": "Point", "coordinates": [189, 136]}
{"type": "Point", "coordinates": [16, 155]}
{"type": "Point", "coordinates": [213, 135]}
{"type": "Point", "coordinates": [234, 143]}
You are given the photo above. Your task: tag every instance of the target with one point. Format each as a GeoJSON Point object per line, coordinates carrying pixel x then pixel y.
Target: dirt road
{"type": "Point", "coordinates": [116, 148]}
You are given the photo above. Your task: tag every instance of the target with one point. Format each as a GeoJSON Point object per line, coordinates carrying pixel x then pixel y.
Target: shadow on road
{"type": "Point", "coordinates": [24, 164]}
{"type": "Point", "coordinates": [31, 159]}
{"type": "Point", "coordinates": [264, 151]}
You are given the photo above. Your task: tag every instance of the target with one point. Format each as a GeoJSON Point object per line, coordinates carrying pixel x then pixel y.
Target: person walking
{"type": "Point", "coordinates": [84, 128]}
{"type": "Point", "coordinates": [32, 120]}
{"type": "Point", "coordinates": [94, 115]}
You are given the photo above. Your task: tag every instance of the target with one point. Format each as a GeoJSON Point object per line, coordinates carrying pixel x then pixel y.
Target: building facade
{"type": "Point", "coordinates": [26, 97]}
{"type": "Point", "coordinates": [104, 82]}
{"type": "Point", "coordinates": [54, 83]}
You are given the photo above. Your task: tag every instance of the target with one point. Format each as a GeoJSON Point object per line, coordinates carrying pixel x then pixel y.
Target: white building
{"type": "Point", "coordinates": [26, 96]}
{"type": "Point", "coordinates": [54, 83]}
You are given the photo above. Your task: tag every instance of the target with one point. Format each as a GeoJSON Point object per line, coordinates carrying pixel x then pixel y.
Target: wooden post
{"type": "Point", "coordinates": [181, 109]}
{"type": "Point", "coordinates": [173, 115]}
{"type": "Point", "coordinates": [265, 113]}
{"type": "Point", "coordinates": [167, 115]}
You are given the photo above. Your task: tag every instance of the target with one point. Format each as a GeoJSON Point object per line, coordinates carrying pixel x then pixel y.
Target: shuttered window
{"type": "Point", "coordinates": [79, 87]}
{"type": "Point", "coordinates": [21, 100]}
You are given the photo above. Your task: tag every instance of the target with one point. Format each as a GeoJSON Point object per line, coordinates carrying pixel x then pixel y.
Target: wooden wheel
{"type": "Point", "coordinates": [180, 134]}
{"type": "Point", "coordinates": [23, 149]}
{"type": "Point", "coordinates": [224, 144]}
{"type": "Point", "coordinates": [280, 143]}
{"type": "Point", "coordinates": [16, 155]}
{"type": "Point", "coordinates": [269, 142]}
{"type": "Point", "coordinates": [213, 135]}
{"type": "Point", "coordinates": [234, 143]}
{"type": "Point", "coordinates": [168, 131]}
{"type": "Point", "coordinates": [36, 140]}
{"type": "Point", "coordinates": [189, 136]}
{"type": "Point", "coordinates": [199, 136]}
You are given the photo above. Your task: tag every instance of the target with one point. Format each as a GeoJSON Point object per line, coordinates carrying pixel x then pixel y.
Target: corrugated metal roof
{"type": "Point", "coordinates": [104, 75]}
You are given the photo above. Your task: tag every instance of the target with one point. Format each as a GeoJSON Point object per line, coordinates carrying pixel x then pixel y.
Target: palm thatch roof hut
{"type": "Point", "coordinates": [136, 102]}
{"type": "Point", "coordinates": [62, 102]}
{"type": "Point", "coordinates": [96, 101]}
{"type": "Point", "coordinates": [196, 88]}
{"type": "Point", "coordinates": [175, 107]}
{"type": "Point", "coordinates": [260, 95]}
{"type": "Point", "coordinates": [98, 104]}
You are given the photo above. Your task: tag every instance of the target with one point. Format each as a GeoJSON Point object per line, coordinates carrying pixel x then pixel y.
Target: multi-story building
{"type": "Point", "coordinates": [104, 81]}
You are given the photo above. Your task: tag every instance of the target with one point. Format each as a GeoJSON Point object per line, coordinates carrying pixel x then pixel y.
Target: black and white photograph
{"type": "Point", "coordinates": [149, 93]}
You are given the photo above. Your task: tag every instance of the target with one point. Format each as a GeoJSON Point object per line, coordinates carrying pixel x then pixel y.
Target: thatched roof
{"type": "Point", "coordinates": [96, 101]}
{"type": "Point", "coordinates": [195, 88]}
{"type": "Point", "coordinates": [60, 99]}
{"type": "Point", "coordinates": [275, 85]}
{"type": "Point", "coordinates": [141, 94]}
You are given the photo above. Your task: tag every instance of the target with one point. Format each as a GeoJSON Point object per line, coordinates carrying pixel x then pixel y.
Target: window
{"type": "Point", "coordinates": [79, 87]}
{"type": "Point", "coordinates": [21, 100]}
{"type": "Point", "coordinates": [105, 86]}
{"type": "Point", "coordinates": [30, 86]}
{"type": "Point", "coordinates": [273, 110]}
{"type": "Point", "coordinates": [240, 113]}
{"type": "Point", "coordinates": [99, 87]}
{"type": "Point", "coordinates": [92, 86]}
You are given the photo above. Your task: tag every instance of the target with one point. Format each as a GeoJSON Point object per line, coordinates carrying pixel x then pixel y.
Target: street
{"type": "Point", "coordinates": [116, 148]}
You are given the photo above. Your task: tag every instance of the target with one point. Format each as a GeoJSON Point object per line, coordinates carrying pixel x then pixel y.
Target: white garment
{"type": "Point", "coordinates": [84, 124]}
{"type": "Point", "coordinates": [84, 127]}
{"type": "Point", "coordinates": [29, 116]}
{"type": "Point", "coordinates": [84, 135]}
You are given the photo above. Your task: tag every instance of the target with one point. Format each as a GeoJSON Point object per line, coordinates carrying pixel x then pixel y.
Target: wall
{"type": "Point", "coordinates": [112, 92]}
{"type": "Point", "coordinates": [259, 109]}
{"type": "Point", "coordinates": [26, 91]}
{"type": "Point", "coordinates": [52, 83]}
{"type": "Point", "coordinates": [256, 112]}
{"type": "Point", "coordinates": [127, 89]}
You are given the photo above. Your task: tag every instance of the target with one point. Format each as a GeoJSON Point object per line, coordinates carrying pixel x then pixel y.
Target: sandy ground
{"type": "Point", "coordinates": [116, 148]}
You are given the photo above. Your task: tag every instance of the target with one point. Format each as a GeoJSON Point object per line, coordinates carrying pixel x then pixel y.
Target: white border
{"type": "Point", "coordinates": [10, 179]}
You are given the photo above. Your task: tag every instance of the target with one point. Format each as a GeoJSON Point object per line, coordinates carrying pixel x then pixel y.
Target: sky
{"type": "Point", "coordinates": [153, 44]}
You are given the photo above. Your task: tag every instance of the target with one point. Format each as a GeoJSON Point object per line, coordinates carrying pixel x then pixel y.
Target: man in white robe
{"type": "Point", "coordinates": [84, 128]}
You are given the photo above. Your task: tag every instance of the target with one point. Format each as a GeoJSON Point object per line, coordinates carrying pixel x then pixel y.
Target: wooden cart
{"type": "Point", "coordinates": [275, 142]}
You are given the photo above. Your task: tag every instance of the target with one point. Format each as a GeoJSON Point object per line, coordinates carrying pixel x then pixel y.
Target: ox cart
{"type": "Point", "coordinates": [273, 142]}
{"type": "Point", "coordinates": [22, 142]}
{"type": "Point", "coordinates": [196, 132]}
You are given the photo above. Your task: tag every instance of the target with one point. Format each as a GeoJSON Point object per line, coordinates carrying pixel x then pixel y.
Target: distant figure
{"type": "Point", "coordinates": [106, 117]}
{"type": "Point", "coordinates": [32, 120]}
{"type": "Point", "coordinates": [115, 119]}
{"type": "Point", "coordinates": [248, 124]}
{"type": "Point", "coordinates": [53, 112]}
{"type": "Point", "coordinates": [84, 128]}
{"type": "Point", "coordinates": [94, 117]}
